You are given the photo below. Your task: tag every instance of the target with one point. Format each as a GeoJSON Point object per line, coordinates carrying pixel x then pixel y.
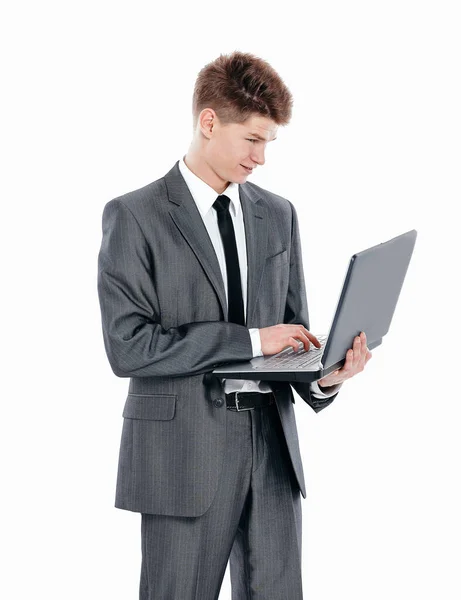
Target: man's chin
{"type": "Point", "coordinates": [243, 176]}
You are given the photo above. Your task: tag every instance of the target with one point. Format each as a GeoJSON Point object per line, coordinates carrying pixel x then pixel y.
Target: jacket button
{"type": "Point", "coordinates": [218, 402]}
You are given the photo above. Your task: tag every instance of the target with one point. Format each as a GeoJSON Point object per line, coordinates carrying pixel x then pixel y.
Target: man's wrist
{"type": "Point", "coordinates": [324, 391]}
{"type": "Point", "coordinates": [324, 388]}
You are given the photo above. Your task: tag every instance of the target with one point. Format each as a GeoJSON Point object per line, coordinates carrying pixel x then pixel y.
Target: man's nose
{"type": "Point", "coordinates": [257, 156]}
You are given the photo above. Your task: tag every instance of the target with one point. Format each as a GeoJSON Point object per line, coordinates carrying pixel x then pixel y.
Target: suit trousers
{"type": "Point", "coordinates": [254, 523]}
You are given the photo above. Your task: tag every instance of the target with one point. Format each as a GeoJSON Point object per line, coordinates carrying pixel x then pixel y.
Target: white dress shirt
{"type": "Point", "coordinates": [204, 197]}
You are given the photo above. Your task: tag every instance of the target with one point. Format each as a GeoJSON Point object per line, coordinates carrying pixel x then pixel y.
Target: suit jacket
{"type": "Point", "coordinates": [164, 323]}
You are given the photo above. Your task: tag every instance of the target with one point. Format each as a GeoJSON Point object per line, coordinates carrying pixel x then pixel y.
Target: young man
{"type": "Point", "coordinates": [197, 268]}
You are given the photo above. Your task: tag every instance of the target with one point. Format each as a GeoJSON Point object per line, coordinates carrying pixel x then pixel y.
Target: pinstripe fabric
{"type": "Point", "coordinates": [164, 324]}
{"type": "Point", "coordinates": [254, 520]}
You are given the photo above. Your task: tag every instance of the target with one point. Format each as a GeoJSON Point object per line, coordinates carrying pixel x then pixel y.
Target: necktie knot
{"type": "Point", "coordinates": [221, 203]}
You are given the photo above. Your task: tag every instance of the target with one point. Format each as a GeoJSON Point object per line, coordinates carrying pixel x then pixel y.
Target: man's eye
{"type": "Point", "coordinates": [250, 140]}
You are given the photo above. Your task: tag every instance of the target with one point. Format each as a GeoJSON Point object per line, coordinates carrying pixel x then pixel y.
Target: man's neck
{"type": "Point", "coordinates": [200, 168]}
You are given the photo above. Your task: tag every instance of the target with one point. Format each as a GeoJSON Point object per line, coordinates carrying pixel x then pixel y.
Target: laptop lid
{"type": "Point", "coordinates": [369, 295]}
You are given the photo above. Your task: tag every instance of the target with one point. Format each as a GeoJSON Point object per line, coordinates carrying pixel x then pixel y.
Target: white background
{"type": "Point", "coordinates": [97, 102]}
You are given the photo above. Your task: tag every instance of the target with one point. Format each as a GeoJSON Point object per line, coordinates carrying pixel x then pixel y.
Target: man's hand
{"type": "Point", "coordinates": [277, 337]}
{"type": "Point", "coordinates": [356, 359]}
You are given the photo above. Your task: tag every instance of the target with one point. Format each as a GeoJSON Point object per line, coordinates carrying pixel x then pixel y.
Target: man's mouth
{"type": "Point", "coordinates": [247, 169]}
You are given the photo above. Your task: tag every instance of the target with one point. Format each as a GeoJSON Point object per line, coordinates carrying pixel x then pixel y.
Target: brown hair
{"type": "Point", "coordinates": [238, 85]}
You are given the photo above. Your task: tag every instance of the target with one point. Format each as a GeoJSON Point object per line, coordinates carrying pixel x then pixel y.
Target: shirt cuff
{"type": "Point", "coordinates": [255, 342]}
{"type": "Point", "coordinates": [318, 393]}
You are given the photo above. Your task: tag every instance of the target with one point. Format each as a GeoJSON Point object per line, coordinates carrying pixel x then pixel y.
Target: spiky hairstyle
{"type": "Point", "coordinates": [238, 85]}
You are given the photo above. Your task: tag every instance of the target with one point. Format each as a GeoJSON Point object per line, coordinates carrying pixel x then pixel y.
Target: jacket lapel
{"type": "Point", "coordinates": [255, 221]}
{"type": "Point", "coordinates": [187, 218]}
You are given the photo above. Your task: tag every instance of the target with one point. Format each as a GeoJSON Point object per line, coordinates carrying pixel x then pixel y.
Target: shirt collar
{"type": "Point", "coordinates": [204, 195]}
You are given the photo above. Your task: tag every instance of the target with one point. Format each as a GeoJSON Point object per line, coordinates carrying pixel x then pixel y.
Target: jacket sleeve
{"type": "Point", "coordinates": [136, 344]}
{"type": "Point", "coordinates": [296, 310]}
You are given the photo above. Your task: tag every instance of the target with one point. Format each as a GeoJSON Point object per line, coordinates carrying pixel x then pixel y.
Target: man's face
{"type": "Point", "coordinates": [233, 147]}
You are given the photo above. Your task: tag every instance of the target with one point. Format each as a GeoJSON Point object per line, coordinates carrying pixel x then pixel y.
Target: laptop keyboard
{"type": "Point", "coordinates": [289, 359]}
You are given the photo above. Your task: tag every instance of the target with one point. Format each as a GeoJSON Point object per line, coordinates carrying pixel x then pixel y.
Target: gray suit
{"type": "Point", "coordinates": [211, 485]}
{"type": "Point", "coordinates": [164, 320]}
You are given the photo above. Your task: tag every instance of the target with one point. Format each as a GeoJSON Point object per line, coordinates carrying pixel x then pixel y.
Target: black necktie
{"type": "Point", "coordinates": [234, 285]}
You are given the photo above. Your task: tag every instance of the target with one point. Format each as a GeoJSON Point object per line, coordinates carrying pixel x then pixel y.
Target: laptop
{"type": "Point", "coordinates": [366, 303]}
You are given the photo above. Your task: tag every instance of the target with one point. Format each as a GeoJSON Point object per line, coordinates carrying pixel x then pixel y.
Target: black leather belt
{"type": "Point", "coordinates": [248, 400]}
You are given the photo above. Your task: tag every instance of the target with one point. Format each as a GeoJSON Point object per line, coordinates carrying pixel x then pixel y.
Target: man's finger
{"type": "Point", "coordinates": [302, 340]}
{"type": "Point", "coordinates": [357, 352]}
{"type": "Point", "coordinates": [306, 335]}
{"type": "Point", "coordinates": [312, 338]}
{"type": "Point", "coordinates": [348, 364]}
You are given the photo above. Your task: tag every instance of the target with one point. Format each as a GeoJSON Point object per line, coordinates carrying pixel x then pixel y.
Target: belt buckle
{"type": "Point", "coordinates": [237, 403]}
